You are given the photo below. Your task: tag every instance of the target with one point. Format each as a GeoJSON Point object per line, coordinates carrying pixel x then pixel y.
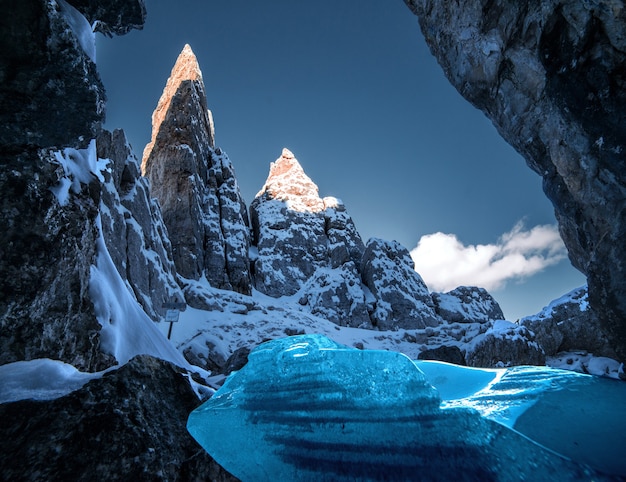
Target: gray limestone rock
{"type": "Point", "coordinates": [448, 354]}
{"type": "Point", "coordinates": [467, 304]}
{"type": "Point", "coordinates": [113, 16]}
{"type": "Point", "coordinates": [127, 425]}
{"type": "Point", "coordinates": [44, 75]}
{"type": "Point", "coordinates": [569, 324]}
{"type": "Point", "coordinates": [133, 228]}
{"type": "Point", "coordinates": [505, 344]}
{"type": "Point", "coordinates": [550, 75]}
{"type": "Point", "coordinates": [402, 298]}
{"type": "Point", "coordinates": [195, 184]}
{"type": "Point", "coordinates": [307, 245]}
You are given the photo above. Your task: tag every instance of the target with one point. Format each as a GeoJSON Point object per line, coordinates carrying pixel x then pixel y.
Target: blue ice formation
{"type": "Point", "coordinates": [306, 408]}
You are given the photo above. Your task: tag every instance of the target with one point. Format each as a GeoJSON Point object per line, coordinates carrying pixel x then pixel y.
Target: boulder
{"type": "Point", "coordinates": [467, 304]}
{"type": "Point", "coordinates": [127, 425]}
{"type": "Point", "coordinates": [402, 298]}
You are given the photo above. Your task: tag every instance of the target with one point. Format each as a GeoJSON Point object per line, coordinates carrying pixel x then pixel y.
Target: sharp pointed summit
{"type": "Point", "coordinates": [288, 182]}
{"type": "Point", "coordinates": [186, 70]}
{"type": "Point", "coordinates": [195, 184]}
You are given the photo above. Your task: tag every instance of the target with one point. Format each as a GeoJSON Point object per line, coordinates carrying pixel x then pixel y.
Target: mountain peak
{"type": "Point", "coordinates": [288, 182]}
{"type": "Point", "coordinates": [186, 68]}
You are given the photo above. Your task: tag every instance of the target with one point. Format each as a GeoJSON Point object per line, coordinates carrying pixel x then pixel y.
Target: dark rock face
{"type": "Point", "coordinates": [448, 354]}
{"type": "Point", "coordinates": [568, 324]}
{"type": "Point", "coordinates": [467, 304]}
{"type": "Point", "coordinates": [113, 16]}
{"type": "Point", "coordinates": [195, 184]}
{"type": "Point", "coordinates": [44, 74]}
{"type": "Point", "coordinates": [505, 344]}
{"type": "Point", "coordinates": [128, 425]}
{"type": "Point", "coordinates": [551, 77]}
{"type": "Point", "coordinates": [402, 298]}
{"type": "Point", "coordinates": [133, 228]}
{"type": "Point", "coordinates": [46, 251]}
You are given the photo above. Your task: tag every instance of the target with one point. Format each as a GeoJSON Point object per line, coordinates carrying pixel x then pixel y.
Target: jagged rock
{"type": "Point", "coordinates": [337, 295]}
{"type": "Point", "coordinates": [195, 184]}
{"type": "Point", "coordinates": [46, 252]}
{"type": "Point", "coordinates": [308, 244]}
{"type": "Point", "coordinates": [402, 298]}
{"type": "Point", "coordinates": [550, 75]}
{"type": "Point", "coordinates": [113, 16]}
{"type": "Point", "coordinates": [44, 75]}
{"type": "Point", "coordinates": [448, 354]}
{"type": "Point", "coordinates": [505, 344]}
{"type": "Point", "coordinates": [569, 324]}
{"type": "Point", "coordinates": [127, 425]}
{"type": "Point", "coordinates": [467, 304]}
{"type": "Point", "coordinates": [51, 103]}
{"type": "Point", "coordinates": [133, 228]}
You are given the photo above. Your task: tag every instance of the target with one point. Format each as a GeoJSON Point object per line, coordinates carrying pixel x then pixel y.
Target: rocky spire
{"type": "Point", "coordinates": [186, 68]}
{"type": "Point", "coordinates": [288, 182]}
{"type": "Point", "coordinates": [195, 184]}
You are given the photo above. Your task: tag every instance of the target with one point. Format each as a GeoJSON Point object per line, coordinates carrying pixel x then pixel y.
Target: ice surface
{"type": "Point", "coordinates": [307, 408]}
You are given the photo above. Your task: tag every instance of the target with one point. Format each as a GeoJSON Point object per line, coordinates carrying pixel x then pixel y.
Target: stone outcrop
{"type": "Point", "coordinates": [304, 242]}
{"type": "Point", "coordinates": [51, 105]}
{"type": "Point", "coordinates": [402, 298]}
{"type": "Point", "coordinates": [127, 425]}
{"type": "Point", "coordinates": [113, 16]}
{"type": "Point", "coordinates": [133, 227]}
{"type": "Point", "coordinates": [467, 304]}
{"type": "Point", "coordinates": [195, 184]}
{"type": "Point", "coordinates": [550, 75]}
{"type": "Point", "coordinates": [505, 344]}
{"type": "Point", "coordinates": [44, 74]}
{"type": "Point", "coordinates": [569, 324]}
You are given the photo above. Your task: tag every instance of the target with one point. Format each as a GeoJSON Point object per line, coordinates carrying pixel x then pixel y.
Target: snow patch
{"type": "Point", "coordinates": [81, 28]}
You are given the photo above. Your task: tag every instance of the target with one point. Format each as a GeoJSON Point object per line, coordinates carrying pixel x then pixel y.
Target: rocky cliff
{"type": "Point", "coordinates": [195, 184]}
{"type": "Point", "coordinates": [551, 77]}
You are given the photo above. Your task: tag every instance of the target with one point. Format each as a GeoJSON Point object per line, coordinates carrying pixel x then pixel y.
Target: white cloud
{"type": "Point", "coordinates": [444, 262]}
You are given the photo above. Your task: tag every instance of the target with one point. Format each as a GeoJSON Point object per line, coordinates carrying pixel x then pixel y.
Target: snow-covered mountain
{"type": "Point", "coordinates": [93, 249]}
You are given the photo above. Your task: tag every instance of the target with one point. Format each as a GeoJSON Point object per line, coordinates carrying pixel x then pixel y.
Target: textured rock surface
{"type": "Point", "coordinates": [195, 184]}
{"type": "Point", "coordinates": [47, 241]}
{"type": "Point", "coordinates": [44, 74]}
{"type": "Point", "coordinates": [307, 243]}
{"type": "Point", "coordinates": [448, 354]}
{"type": "Point", "coordinates": [569, 324]}
{"type": "Point", "coordinates": [133, 228]}
{"type": "Point", "coordinates": [505, 344]}
{"type": "Point", "coordinates": [128, 425]}
{"type": "Point", "coordinates": [113, 16]}
{"type": "Point", "coordinates": [402, 298]}
{"type": "Point", "coordinates": [467, 304]}
{"type": "Point", "coordinates": [551, 77]}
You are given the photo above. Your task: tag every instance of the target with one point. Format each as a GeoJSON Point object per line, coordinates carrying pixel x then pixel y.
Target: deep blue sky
{"type": "Point", "coordinates": [352, 90]}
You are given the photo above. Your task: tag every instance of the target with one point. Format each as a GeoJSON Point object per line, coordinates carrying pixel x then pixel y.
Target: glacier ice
{"type": "Point", "coordinates": [307, 408]}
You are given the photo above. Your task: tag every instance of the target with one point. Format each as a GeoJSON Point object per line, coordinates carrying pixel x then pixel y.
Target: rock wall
{"type": "Point", "coordinates": [550, 75]}
{"type": "Point", "coordinates": [133, 227]}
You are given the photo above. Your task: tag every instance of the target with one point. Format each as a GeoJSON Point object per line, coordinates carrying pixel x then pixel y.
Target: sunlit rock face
{"type": "Point", "coordinates": [133, 227]}
{"type": "Point", "coordinates": [195, 184]}
{"type": "Point", "coordinates": [52, 106]}
{"type": "Point", "coordinates": [307, 243]}
{"type": "Point", "coordinates": [306, 408]}
{"type": "Point", "coordinates": [402, 298]}
{"type": "Point", "coordinates": [550, 75]}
